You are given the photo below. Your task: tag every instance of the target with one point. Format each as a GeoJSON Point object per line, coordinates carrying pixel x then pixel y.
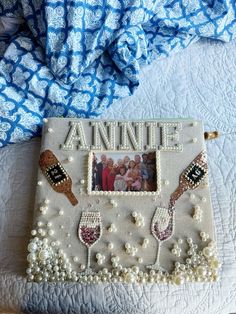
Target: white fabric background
{"type": "Point", "coordinates": [199, 82]}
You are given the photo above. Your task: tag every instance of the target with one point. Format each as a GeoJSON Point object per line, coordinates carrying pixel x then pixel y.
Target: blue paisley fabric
{"type": "Point", "coordinates": [74, 58]}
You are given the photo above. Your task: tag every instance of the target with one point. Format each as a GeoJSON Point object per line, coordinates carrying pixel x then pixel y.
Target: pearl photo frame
{"type": "Point", "coordinates": [125, 193]}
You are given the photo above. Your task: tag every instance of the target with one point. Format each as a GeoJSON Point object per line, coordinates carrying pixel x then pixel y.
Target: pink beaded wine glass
{"type": "Point", "coordinates": [90, 232]}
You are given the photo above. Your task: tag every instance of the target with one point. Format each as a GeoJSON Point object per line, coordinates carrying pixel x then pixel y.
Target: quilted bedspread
{"type": "Point", "coordinates": [75, 58]}
{"type": "Point", "coordinates": [199, 82]}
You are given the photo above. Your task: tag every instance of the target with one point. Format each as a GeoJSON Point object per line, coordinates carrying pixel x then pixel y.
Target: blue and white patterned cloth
{"type": "Point", "coordinates": [74, 58]}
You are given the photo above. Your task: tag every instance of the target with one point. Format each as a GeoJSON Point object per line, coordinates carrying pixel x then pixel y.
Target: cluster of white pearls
{"type": "Point", "coordinates": [204, 236]}
{"type": "Point", "coordinates": [47, 263]}
{"type": "Point", "coordinates": [130, 249]}
{"type": "Point", "coordinates": [112, 228]}
{"type": "Point", "coordinates": [145, 243]}
{"type": "Point", "coordinates": [43, 209]}
{"type": "Point", "coordinates": [100, 258]}
{"type": "Point", "coordinates": [176, 250]}
{"type": "Point", "coordinates": [43, 229]}
{"type": "Point", "coordinates": [197, 213]}
{"type": "Point", "coordinates": [138, 219]}
{"type": "Point", "coordinates": [199, 265]}
{"type": "Point", "coordinates": [114, 261]}
{"type": "Point", "coordinates": [113, 203]}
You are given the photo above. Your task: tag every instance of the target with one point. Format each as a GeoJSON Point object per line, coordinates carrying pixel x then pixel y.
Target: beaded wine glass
{"type": "Point", "coordinates": [162, 226]}
{"type": "Point", "coordinates": [90, 232]}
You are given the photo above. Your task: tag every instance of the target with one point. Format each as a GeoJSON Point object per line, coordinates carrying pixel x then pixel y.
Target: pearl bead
{"type": "Point", "coordinates": [75, 259]}
{"type": "Point", "coordinates": [70, 159]}
{"type": "Point", "coordinates": [61, 226]}
{"type": "Point", "coordinates": [46, 201]}
{"type": "Point", "coordinates": [201, 271]}
{"type": "Point", "coordinates": [61, 212]}
{"type": "Point", "coordinates": [32, 247]}
{"type": "Point", "coordinates": [45, 120]}
{"type": "Point", "coordinates": [180, 241]}
{"type": "Point", "coordinates": [189, 240]}
{"type": "Point", "coordinates": [82, 181]}
{"type": "Point", "coordinates": [43, 233]}
{"type": "Point", "coordinates": [166, 182]}
{"type": "Point", "coordinates": [50, 232]}
{"type": "Point", "coordinates": [207, 252]}
{"type": "Point", "coordinates": [33, 232]}
{"type": "Point", "coordinates": [178, 280]}
{"type": "Point", "coordinates": [215, 264]}
{"type": "Point", "coordinates": [40, 183]}
{"type": "Point", "coordinates": [140, 260]}
{"type": "Point", "coordinates": [50, 130]}
{"type": "Point", "coordinates": [194, 140]}
{"type": "Point", "coordinates": [129, 278]}
{"type": "Point", "coordinates": [31, 257]}
{"type": "Point", "coordinates": [110, 246]}
{"type": "Point", "coordinates": [43, 255]}
{"type": "Point", "coordinates": [134, 214]}
{"type": "Point", "coordinates": [49, 224]}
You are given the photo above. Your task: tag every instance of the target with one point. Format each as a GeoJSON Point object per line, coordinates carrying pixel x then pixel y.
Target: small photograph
{"type": "Point", "coordinates": [124, 172]}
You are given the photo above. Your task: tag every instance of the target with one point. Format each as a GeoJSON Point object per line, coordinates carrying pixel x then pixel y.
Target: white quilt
{"type": "Point", "coordinates": [200, 82]}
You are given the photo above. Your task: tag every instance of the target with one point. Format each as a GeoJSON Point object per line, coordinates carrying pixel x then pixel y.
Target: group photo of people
{"type": "Point", "coordinates": [124, 172]}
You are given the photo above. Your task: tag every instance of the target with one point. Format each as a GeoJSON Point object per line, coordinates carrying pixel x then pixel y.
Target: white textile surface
{"type": "Point", "coordinates": [199, 82]}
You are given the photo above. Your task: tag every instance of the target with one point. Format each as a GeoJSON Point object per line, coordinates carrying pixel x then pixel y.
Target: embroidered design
{"type": "Point", "coordinates": [90, 232]}
{"type": "Point", "coordinates": [138, 219]}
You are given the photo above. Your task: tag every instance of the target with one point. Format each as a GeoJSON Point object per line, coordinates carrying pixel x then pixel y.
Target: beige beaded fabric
{"type": "Point", "coordinates": [122, 201]}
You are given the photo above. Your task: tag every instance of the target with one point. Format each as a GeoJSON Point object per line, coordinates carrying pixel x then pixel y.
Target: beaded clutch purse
{"type": "Point", "coordinates": [122, 201]}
